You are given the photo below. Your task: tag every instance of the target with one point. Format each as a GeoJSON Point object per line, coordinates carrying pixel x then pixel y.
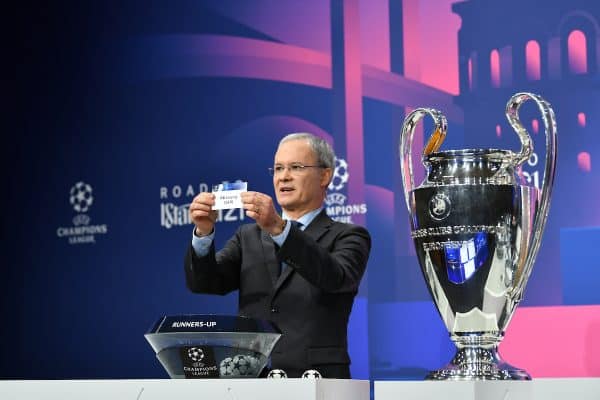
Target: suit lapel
{"type": "Point", "coordinates": [316, 229]}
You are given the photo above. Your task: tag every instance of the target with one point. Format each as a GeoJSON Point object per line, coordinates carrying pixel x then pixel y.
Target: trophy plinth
{"type": "Point", "coordinates": [477, 230]}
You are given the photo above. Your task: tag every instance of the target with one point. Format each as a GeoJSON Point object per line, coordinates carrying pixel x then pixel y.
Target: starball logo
{"type": "Point", "coordinates": [336, 202]}
{"type": "Point", "coordinates": [175, 205]}
{"type": "Point", "coordinates": [81, 199]}
{"type": "Point", "coordinates": [196, 354]}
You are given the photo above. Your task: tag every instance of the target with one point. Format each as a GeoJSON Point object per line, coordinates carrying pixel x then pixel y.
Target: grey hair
{"type": "Point", "coordinates": [322, 149]}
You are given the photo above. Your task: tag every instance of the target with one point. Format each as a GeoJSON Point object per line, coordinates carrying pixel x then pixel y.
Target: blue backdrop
{"type": "Point", "coordinates": [120, 112]}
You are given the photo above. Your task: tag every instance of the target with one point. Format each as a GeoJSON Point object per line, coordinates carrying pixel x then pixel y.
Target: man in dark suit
{"type": "Point", "coordinates": [299, 269]}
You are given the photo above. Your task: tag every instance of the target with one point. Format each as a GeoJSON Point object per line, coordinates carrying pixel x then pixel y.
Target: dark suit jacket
{"type": "Point", "coordinates": [310, 302]}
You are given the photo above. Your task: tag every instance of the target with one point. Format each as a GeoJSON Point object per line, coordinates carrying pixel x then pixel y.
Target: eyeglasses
{"type": "Point", "coordinates": [295, 168]}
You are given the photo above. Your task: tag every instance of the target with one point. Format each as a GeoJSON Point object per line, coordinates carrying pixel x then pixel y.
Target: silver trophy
{"type": "Point", "coordinates": [477, 230]}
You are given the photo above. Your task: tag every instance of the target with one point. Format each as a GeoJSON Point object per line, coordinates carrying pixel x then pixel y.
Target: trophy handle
{"type": "Point", "coordinates": [406, 139]}
{"type": "Point", "coordinates": [512, 113]}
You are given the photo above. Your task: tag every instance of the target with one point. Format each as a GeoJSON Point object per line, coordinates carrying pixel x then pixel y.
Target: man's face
{"type": "Point", "coordinates": [299, 190]}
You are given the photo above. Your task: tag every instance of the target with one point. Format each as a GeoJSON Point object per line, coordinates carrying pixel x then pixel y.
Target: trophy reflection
{"type": "Point", "coordinates": [477, 230]}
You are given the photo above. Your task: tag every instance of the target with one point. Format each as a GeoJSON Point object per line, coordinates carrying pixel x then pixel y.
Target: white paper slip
{"type": "Point", "coordinates": [228, 195]}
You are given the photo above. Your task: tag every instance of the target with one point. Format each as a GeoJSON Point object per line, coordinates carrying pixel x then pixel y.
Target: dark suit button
{"type": "Point", "coordinates": [274, 310]}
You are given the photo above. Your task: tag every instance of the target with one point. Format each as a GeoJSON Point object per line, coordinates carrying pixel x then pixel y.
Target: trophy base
{"type": "Point", "coordinates": [478, 364]}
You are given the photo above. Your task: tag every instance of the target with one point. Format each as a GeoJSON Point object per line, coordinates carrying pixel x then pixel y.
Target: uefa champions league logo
{"type": "Point", "coordinates": [196, 354]}
{"type": "Point", "coordinates": [81, 197]}
{"type": "Point", "coordinates": [340, 175]}
{"type": "Point", "coordinates": [336, 202]}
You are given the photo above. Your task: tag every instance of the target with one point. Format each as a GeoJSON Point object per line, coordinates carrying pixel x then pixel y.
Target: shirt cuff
{"type": "Point", "coordinates": [201, 244]}
{"type": "Point", "coordinates": [279, 239]}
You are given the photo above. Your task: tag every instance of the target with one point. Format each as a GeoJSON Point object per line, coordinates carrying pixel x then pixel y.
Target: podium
{"type": "Point", "coordinates": [212, 346]}
{"type": "Point", "coordinates": [536, 389]}
{"type": "Point", "coordinates": [213, 389]}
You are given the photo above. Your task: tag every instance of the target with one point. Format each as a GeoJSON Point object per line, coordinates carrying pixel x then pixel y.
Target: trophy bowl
{"type": "Point", "coordinates": [477, 230]}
